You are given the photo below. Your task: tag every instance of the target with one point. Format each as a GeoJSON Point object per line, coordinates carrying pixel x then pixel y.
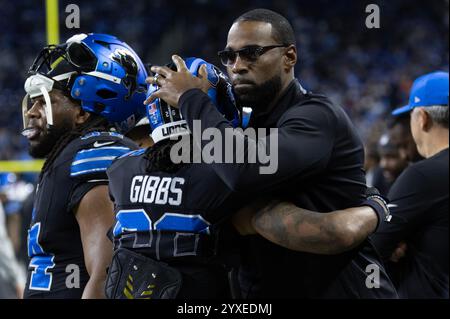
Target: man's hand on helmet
{"type": "Point", "coordinates": [173, 84]}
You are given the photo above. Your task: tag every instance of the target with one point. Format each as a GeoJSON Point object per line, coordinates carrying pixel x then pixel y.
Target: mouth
{"type": "Point", "coordinates": [31, 133]}
{"type": "Point", "coordinates": [242, 85]}
{"type": "Point", "coordinates": [242, 81]}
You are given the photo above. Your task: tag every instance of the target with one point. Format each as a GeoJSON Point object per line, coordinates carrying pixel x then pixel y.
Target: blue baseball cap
{"type": "Point", "coordinates": [428, 90]}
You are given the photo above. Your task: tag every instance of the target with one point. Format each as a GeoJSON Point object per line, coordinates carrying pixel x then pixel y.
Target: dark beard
{"type": "Point", "coordinates": [260, 97]}
{"type": "Point", "coordinates": [49, 140]}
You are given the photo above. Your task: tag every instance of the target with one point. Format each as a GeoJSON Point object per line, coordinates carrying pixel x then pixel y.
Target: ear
{"type": "Point", "coordinates": [81, 115]}
{"type": "Point", "coordinates": [290, 58]}
{"type": "Point", "coordinates": [425, 120]}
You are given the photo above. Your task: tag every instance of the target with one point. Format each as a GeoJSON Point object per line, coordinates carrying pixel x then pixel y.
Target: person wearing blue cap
{"type": "Point", "coordinates": [419, 197]}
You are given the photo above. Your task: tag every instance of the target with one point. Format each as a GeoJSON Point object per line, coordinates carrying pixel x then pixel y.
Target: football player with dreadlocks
{"type": "Point", "coordinates": [80, 95]}
{"type": "Point", "coordinates": [167, 243]}
{"type": "Point", "coordinates": [172, 238]}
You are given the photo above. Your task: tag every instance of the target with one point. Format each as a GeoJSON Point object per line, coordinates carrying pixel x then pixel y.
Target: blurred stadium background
{"type": "Point", "coordinates": [366, 71]}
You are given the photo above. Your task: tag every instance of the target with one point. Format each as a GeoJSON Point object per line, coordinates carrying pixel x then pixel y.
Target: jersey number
{"type": "Point", "coordinates": [136, 220]}
{"type": "Point", "coordinates": [40, 261]}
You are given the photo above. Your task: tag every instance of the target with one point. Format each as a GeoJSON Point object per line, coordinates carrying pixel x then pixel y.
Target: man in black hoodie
{"type": "Point", "coordinates": [319, 165]}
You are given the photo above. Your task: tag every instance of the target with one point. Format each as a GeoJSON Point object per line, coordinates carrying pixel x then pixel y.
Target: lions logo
{"type": "Point", "coordinates": [126, 59]}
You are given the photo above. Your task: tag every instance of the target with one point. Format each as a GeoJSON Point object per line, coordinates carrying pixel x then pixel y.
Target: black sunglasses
{"type": "Point", "coordinates": [250, 53]}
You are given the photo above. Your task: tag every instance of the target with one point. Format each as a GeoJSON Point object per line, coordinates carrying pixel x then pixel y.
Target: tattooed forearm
{"type": "Point", "coordinates": [322, 233]}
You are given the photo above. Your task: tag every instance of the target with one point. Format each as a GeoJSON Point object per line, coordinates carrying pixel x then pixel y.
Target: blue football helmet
{"type": "Point", "coordinates": [100, 71]}
{"type": "Point", "coordinates": [166, 121]}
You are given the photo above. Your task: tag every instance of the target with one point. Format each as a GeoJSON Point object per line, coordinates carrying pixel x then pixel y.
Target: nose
{"type": "Point", "coordinates": [34, 111]}
{"type": "Point", "coordinates": [239, 66]}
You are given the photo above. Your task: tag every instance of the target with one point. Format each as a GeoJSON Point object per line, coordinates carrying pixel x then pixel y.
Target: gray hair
{"type": "Point", "coordinates": [438, 114]}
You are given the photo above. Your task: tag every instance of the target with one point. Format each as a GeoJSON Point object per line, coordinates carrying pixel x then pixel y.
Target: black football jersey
{"type": "Point", "coordinates": [54, 242]}
{"type": "Point", "coordinates": [169, 215]}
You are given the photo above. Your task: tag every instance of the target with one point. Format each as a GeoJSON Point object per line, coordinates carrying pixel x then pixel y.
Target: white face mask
{"type": "Point", "coordinates": [35, 86]}
{"type": "Point", "coordinates": [40, 85]}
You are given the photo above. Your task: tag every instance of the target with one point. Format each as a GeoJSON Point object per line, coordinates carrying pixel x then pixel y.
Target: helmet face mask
{"type": "Point", "coordinates": [78, 55]}
{"type": "Point", "coordinates": [41, 83]}
{"type": "Point", "coordinates": [38, 85]}
{"type": "Point", "coordinates": [101, 72]}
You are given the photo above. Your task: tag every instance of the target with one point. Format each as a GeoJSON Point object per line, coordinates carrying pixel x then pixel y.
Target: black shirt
{"type": "Point", "coordinates": [54, 241]}
{"type": "Point", "coordinates": [166, 216]}
{"type": "Point", "coordinates": [320, 160]}
{"type": "Point", "coordinates": [419, 200]}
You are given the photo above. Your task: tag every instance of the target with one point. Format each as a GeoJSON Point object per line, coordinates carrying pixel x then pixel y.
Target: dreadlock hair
{"type": "Point", "coordinates": [94, 123]}
{"type": "Point", "coordinates": [158, 156]}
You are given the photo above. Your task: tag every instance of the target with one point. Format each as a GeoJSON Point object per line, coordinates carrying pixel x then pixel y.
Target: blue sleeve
{"type": "Point", "coordinates": [94, 162]}
{"type": "Point", "coordinates": [88, 169]}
